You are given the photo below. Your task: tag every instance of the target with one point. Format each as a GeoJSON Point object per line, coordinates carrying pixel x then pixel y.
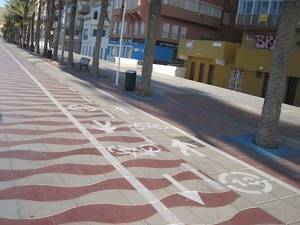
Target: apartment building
{"type": "Point", "coordinates": [83, 8]}
{"type": "Point", "coordinates": [179, 19]}
{"type": "Point", "coordinates": [245, 67]}
{"type": "Point", "coordinates": [90, 31]}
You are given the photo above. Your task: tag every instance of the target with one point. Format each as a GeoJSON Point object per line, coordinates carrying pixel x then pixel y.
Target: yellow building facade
{"type": "Point", "coordinates": [244, 67]}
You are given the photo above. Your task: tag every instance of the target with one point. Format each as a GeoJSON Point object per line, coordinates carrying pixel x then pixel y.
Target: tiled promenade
{"type": "Point", "coordinates": [69, 157]}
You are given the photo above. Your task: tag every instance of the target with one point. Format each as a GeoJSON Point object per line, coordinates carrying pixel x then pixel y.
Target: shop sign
{"type": "Point", "coordinates": [265, 41]}
{"type": "Point", "coordinates": [166, 44]}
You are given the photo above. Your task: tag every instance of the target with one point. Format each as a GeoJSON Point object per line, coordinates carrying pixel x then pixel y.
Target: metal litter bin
{"type": "Point", "coordinates": [49, 54]}
{"type": "Point", "coordinates": [130, 80]}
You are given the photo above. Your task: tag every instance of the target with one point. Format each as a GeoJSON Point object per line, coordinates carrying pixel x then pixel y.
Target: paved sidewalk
{"type": "Point", "coordinates": [74, 154]}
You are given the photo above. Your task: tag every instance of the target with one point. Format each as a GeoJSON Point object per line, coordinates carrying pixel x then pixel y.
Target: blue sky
{"type": "Point", "coordinates": [2, 2]}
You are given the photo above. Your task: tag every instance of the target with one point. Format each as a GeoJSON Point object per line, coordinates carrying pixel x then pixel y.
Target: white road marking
{"type": "Point", "coordinates": [82, 108]}
{"type": "Point", "coordinates": [192, 195]}
{"type": "Point", "coordinates": [142, 136]}
{"type": "Point", "coordinates": [186, 147]}
{"type": "Point", "coordinates": [86, 99]}
{"type": "Point", "coordinates": [245, 182]}
{"type": "Point", "coordinates": [211, 147]}
{"type": "Point", "coordinates": [107, 128]}
{"type": "Point", "coordinates": [122, 110]}
{"type": "Point", "coordinates": [148, 195]}
{"type": "Point", "coordinates": [109, 114]}
{"type": "Point", "coordinates": [203, 177]}
{"type": "Point", "coordinates": [72, 89]}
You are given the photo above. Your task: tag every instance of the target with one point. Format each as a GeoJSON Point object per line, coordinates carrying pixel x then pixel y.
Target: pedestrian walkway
{"type": "Point", "coordinates": [70, 156]}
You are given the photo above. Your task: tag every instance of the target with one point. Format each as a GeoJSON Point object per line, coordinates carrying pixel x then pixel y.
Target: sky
{"type": "Point", "coordinates": [2, 2]}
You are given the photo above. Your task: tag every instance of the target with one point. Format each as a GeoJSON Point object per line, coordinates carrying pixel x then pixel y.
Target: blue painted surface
{"type": "Point", "coordinates": [282, 151]}
{"type": "Point", "coordinates": [162, 53]}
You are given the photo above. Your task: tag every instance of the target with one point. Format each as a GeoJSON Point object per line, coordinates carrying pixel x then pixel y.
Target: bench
{"type": "Point", "coordinates": [84, 62]}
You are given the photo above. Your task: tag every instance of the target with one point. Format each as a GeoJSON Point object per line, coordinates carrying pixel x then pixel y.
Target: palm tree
{"type": "Point", "coordinates": [154, 13]}
{"type": "Point", "coordinates": [268, 125]}
{"type": "Point", "coordinates": [72, 32]}
{"type": "Point", "coordinates": [22, 10]}
{"type": "Point", "coordinates": [38, 28]}
{"type": "Point", "coordinates": [100, 27]}
{"type": "Point", "coordinates": [58, 28]}
{"type": "Point", "coordinates": [47, 28]}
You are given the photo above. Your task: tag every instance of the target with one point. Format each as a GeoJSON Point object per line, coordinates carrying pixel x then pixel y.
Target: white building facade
{"type": "Point", "coordinates": [90, 30]}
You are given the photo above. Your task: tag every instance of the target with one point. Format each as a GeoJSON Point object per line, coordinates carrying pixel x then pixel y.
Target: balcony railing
{"type": "Point", "coordinates": [196, 6]}
{"type": "Point", "coordinates": [257, 20]}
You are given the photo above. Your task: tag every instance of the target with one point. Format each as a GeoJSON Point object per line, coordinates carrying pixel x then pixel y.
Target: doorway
{"type": "Point", "coordinates": [201, 72]}
{"type": "Point", "coordinates": [192, 71]}
{"type": "Point", "coordinates": [291, 90]}
{"type": "Point", "coordinates": [265, 84]}
{"type": "Point", "coordinates": [211, 72]}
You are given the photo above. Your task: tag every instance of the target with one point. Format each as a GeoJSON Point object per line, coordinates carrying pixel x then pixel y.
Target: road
{"type": "Point", "coordinates": [68, 158]}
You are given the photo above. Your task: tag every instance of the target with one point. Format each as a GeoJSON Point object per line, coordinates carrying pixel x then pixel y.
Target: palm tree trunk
{"type": "Point", "coordinates": [38, 28]}
{"type": "Point", "coordinates": [58, 28]}
{"type": "Point", "coordinates": [72, 32]}
{"type": "Point", "coordinates": [28, 36]}
{"type": "Point", "coordinates": [100, 28]}
{"type": "Point", "coordinates": [24, 35]}
{"type": "Point", "coordinates": [47, 28]}
{"type": "Point", "coordinates": [145, 84]}
{"type": "Point", "coordinates": [268, 125]}
{"type": "Point", "coordinates": [32, 33]}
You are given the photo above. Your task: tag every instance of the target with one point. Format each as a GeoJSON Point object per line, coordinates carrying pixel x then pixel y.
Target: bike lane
{"type": "Point", "coordinates": [116, 164]}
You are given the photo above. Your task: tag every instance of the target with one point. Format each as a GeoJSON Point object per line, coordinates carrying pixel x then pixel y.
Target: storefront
{"type": "Point", "coordinates": [134, 49]}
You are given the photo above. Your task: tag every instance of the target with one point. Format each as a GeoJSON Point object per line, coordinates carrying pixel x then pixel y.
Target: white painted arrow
{"type": "Point", "coordinates": [186, 147]}
{"type": "Point", "coordinates": [203, 177]}
{"type": "Point", "coordinates": [107, 128]}
{"type": "Point", "coordinates": [122, 110]}
{"type": "Point", "coordinates": [192, 195]}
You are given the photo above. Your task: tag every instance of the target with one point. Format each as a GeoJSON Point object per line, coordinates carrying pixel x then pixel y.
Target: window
{"type": "Point", "coordinates": [95, 32]}
{"type": "Point", "coordinates": [249, 7]}
{"type": "Point", "coordinates": [257, 7]}
{"type": "Point", "coordinates": [183, 31]}
{"type": "Point", "coordinates": [114, 51]}
{"type": "Point", "coordinates": [95, 15]}
{"type": "Point", "coordinates": [115, 30]}
{"type": "Point", "coordinates": [125, 27]}
{"type": "Point", "coordinates": [273, 8]}
{"type": "Point", "coordinates": [136, 28]}
{"type": "Point", "coordinates": [174, 33]}
{"type": "Point", "coordinates": [142, 28]}
{"type": "Point", "coordinates": [85, 34]}
{"type": "Point", "coordinates": [226, 18]}
{"type": "Point", "coordinates": [119, 27]}
{"type": "Point", "coordinates": [118, 4]}
{"type": "Point", "coordinates": [264, 7]}
{"type": "Point", "coordinates": [165, 30]}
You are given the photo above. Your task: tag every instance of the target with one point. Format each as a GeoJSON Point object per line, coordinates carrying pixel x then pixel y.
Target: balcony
{"type": "Point", "coordinates": [133, 4]}
{"type": "Point", "coordinates": [84, 9]}
{"type": "Point", "coordinates": [196, 6]}
{"type": "Point", "coordinates": [257, 21]}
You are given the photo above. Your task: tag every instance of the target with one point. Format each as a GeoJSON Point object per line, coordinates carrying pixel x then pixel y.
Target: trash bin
{"type": "Point", "coordinates": [130, 80]}
{"type": "Point", "coordinates": [49, 54]}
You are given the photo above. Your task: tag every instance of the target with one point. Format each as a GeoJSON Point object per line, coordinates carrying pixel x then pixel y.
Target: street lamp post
{"type": "Point", "coordinates": [121, 41]}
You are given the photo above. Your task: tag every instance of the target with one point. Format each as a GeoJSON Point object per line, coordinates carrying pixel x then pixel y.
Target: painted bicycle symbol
{"type": "Point", "coordinates": [83, 108]}
{"type": "Point", "coordinates": [144, 126]}
{"type": "Point", "coordinates": [143, 150]}
{"type": "Point", "coordinates": [245, 182]}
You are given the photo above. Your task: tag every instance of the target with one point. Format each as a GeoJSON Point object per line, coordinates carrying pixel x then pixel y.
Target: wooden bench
{"type": "Point", "coordinates": [84, 62]}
